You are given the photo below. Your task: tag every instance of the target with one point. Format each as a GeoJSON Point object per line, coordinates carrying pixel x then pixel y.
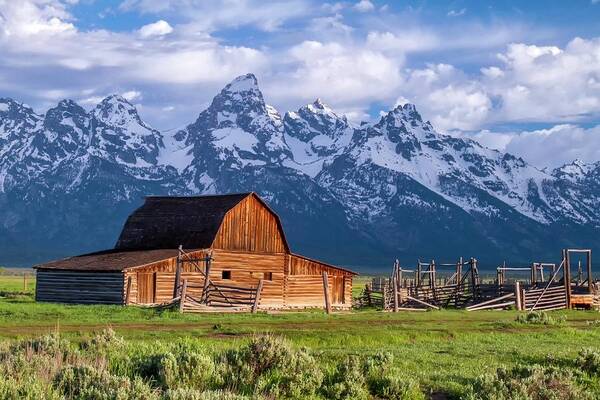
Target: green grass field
{"type": "Point", "coordinates": [441, 349]}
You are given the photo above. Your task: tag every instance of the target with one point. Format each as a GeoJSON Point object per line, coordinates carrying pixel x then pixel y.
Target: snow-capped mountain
{"type": "Point", "coordinates": [353, 194]}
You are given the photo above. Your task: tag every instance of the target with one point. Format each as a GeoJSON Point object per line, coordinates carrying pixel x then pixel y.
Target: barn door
{"type": "Point", "coordinates": [146, 287]}
{"type": "Point", "coordinates": [338, 290]}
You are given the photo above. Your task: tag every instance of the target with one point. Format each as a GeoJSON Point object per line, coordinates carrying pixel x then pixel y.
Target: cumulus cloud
{"type": "Point", "coordinates": [547, 148]}
{"type": "Point", "coordinates": [355, 61]}
{"type": "Point", "coordinates": [347, 75]}
{"type": "Point", "coordinates": [158, 28]}
{"type": "Point", "coordinates": [364, 6]}
{"type": "Point", "coordinates": [218, 14]}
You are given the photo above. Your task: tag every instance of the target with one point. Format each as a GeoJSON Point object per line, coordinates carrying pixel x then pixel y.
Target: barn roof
{"type": "Point", "coordinates": [167, 222]}
{"type": "Point", "coordinates": [110, 260]}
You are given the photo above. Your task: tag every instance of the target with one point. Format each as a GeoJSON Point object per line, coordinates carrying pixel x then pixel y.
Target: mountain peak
{"type": "Point", "coordinates": [116, 110]}
{"type": "Point", "coordinates": [242, 83]}
{"type": "Point", "coordinates": [67, 104]}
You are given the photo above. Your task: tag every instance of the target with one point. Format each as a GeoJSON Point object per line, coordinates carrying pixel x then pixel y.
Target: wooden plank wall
{"type": "Point", "coordinates": [247, 269]}
{"type": "Point", "coordinates": [250, 226]}
{"type": "Point", "coordinates": [294, 290]}
{"type": "Point", "coordinates": [299, 265]}
{"type": "Point", "coordinates": [165, 278]}
{"type": "Point", "coordinates": [307, 291]}
{"type": "Point", "coordinates": [79, 287]}
{"type": "Point", "coordinates": [340, 282]}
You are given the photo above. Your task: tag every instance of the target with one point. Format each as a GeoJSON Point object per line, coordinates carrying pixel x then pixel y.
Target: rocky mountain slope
{"type": "Point", "coordinates": [356, 195]}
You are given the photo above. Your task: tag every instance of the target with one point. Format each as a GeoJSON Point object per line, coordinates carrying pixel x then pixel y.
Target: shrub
{"type": "Point", "coordinates": [86, 382]}
{"type": "Point", "coordinates": [192, 394]}
{"type": "Point", "coordinates": [187, 368]}
{"type": "Point", "coordinates": [540, 318]}
{"type": "Point", "coordinates": [348, 381]}
{"type": "Point", "coordinates": [384, 384]}
{"type": "Point", "coordinates": [51, 344]}
{"type": "Point", "coordinates": [378, 363]}
{"type": "Point", "coordinates": [395, 388]}
{"type": "Point", "coordinates": [527, 383]}
{"type": "Point", "coordinates": [270, 365]}
{"type": "Point", "coordinates": [27, 388]}
{"type": "Point", "coordinates": [103, 341]}
{"type": "Point", "coordinates": [589, 361]}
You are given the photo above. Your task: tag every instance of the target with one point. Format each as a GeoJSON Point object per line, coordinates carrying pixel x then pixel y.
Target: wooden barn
{"type": "Point", "coordinates": [222, 250]}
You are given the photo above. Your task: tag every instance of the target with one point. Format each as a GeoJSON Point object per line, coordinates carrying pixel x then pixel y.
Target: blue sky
{"type": "Point", "coordinates": [521, 76]}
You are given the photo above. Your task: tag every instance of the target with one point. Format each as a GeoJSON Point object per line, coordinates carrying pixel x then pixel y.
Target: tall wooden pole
{"type": "Point", "coordinates": [326, 293]}
{"type": "Point", "coordinates": [257, 297]}
{"type": "Point", "coordinates": [589, 272]}
{"type": "Point", "coordinates": [177, 273]}
{"type": "Point", "coordinates": [567, 261]}
{"type": "Point", "coordinates": [395, 289]}
{"type": "Point", "coordinates": [183, 295]}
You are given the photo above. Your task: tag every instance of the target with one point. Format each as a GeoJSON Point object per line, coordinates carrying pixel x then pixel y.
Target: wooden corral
{"type": "Point", "coordinates": [541, 286]}
{"type": "Point", "coordinates": [226, 251]}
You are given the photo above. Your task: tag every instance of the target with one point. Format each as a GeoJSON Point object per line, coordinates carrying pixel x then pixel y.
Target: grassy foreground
{"type": "Point", "coordinates": [442, 351]}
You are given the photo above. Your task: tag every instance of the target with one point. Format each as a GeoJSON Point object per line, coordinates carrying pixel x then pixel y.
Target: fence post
{"type": "Point", "coordinates": [257, 297]}
{"type": "Point", "coordinates": [207, 262]}
{"type": "Point", "coordinates": [128, 292]}
{"type": "Point", "coordinates": [177, 273]}
{"type": "Point", "coordinates": [567, 272]}
{"type": "Point", "coordinates": [395, 283]}
{"type": "Point", "coordinates": [183, 293]}
{"type": "Point", "coordinates": [326, 293]}
{"type": "Point", "coordinates": [518, 300]}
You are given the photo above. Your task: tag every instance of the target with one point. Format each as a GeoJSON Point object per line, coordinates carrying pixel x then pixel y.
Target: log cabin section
{"type": "Point", "coordinates": [241, 235]}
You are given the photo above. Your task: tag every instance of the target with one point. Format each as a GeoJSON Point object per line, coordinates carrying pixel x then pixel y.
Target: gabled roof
{"type": "Point", "coordinates": [167, 222]}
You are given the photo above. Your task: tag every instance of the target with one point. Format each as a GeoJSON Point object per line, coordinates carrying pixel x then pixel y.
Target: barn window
{"type": "Point", "coordinates": [226, 275]}
{"type": "Point", "coordinates": [268, 276]}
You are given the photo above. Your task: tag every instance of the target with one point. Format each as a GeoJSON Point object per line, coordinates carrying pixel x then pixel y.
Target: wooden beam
{"type": "Point", "coordinates": [395, 288]}
{"type": "Point", "coordinates": [207, 262]}
{"type": "Point", "coordinates": [589, 272]}
{"type": "Point", "coordinates": [183, 294]}
{"type": "Point", "coordinates": [326, 293]}
{"type": "Point", "coordinates": [257, 296]}
{"type": "Point", "coordinates": [423, 302]}
{"type": "Point", "coordinates": [177, 273]}
{"type": "Point", "coordinates": [518, 299]}
{"type": "Point", "coordinates": [567, 275]}
{"type": "Point", "coordinates": [128, 290]}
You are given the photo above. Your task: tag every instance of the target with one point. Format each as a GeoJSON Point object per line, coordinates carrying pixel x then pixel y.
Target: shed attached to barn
{"type": "Point", "coordinates": [235, 240]}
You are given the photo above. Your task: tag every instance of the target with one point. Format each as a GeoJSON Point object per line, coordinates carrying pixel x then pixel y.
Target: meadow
{"type": "Point", "coordinates": [445, 354]}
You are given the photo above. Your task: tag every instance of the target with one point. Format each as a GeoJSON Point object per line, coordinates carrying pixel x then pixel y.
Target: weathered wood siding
{"type": "Point", "coordinates": [305, 283]}
{"type": "Point", "coordinates": [62, 286]}
{"type": "Point", "coordinates": [307, 291]}
{"type": "Point", "coordinates": [164, 272]}
{"type": "Point", "coordinates": [250, 226]}
{"type": "Point", "coordinates": [247, 269]}
{"type": "Point", "coordinates": [299, 265]}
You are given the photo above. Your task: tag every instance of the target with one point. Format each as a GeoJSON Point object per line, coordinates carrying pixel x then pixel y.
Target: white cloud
{"type": "Point", "coordinates": [211, 15]}
{"type": "Point", "coordinates": [457, 13]}
{"type": "Point", "coordinates": [158, 28]}
{"type": "Point", "coordinates": [26, 18]}
{"type": "Point", "coordinates": [349, 77]}
{"type": "Point", "coordinates": [132, 95]}
{"type": "Point", "coordinates": [552, 147]}
{"type": "Point", "coordinates": [364, 6]}
{"type": "Point", "coordinates": [411, 40]}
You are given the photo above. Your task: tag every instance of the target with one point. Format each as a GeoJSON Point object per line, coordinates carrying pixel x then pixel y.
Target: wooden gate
{"type": "Point", "coordinates": [550, 298]}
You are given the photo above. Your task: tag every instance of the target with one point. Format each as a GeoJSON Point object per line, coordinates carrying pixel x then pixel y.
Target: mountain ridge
{"type": "Point", "coordinates": [395, 187]}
